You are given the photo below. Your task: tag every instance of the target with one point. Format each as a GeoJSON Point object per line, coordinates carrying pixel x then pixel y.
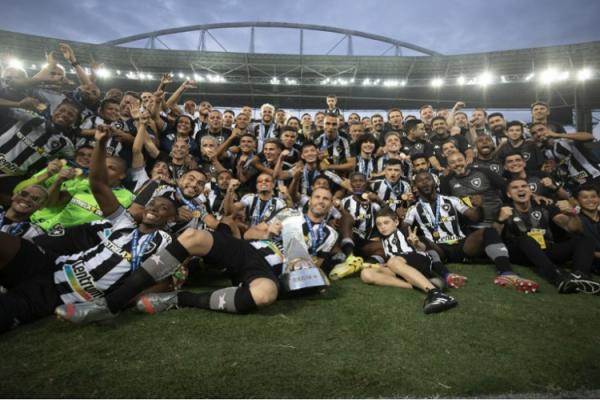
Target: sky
{"type": "Point", "coordinates": [445, 26]}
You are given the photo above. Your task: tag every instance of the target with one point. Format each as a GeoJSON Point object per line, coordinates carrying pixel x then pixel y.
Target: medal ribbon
{"type": "Point", "coordinates": [137, 253]}
{"type": "Point", "coordinates": [315, 240]}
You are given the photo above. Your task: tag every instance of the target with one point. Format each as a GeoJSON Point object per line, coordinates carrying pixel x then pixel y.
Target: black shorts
{"type": "Point", "coordinates": [420, 262]}
{"type": "Point", "coordinates": [243, 262]}
{"type": "Point", "coordinates": [29, 261]}
{"type": "Point", "coordinates": [31, 295]}
{"type": "Point", "coordinates": [453, 253]}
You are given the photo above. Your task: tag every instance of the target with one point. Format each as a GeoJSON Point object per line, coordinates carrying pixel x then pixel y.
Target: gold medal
{"type": "Point", "coordinates": [436, 235]}
{"type": "Point", "coordinates": [196, 214]}
{"type": "Point", "coordinates": [78, 172]}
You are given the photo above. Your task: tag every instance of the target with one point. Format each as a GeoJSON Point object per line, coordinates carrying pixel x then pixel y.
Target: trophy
{"type": "Point", "coordinates": [299, 273]}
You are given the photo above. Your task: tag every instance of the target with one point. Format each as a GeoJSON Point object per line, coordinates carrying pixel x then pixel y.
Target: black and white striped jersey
{"type": "Point", "coordinates": [366, 167]}
{"type": "Point", "coordinates": [363, 214]}
{"type": "Point", "coordinates": [25, 229]}
{"type": "Point", "coordinates": [396, 245]}
{"type": "Point", "coordinates": [390, 192]}
{"type": "Point", "coordinates": [582, 165]}
{"type": "Point", "coordinates": [338, 149]}
{"type": "Point", "coordinates": [30, 143]}
{"type": "Point", "coordinates": [262, 133]}
{"type": "Point", "coordinates": [114, 147]}
{"type": "Point", "coordinates": [94, 259]}
{"type": "Point", "coordinates": [447, 229]}
{"type": "Point", "coordinates": [309, 176]}
{"type": "Point", "coordinates": [258, 210]}
{"type": "Point", "coordinates": [214, 200]}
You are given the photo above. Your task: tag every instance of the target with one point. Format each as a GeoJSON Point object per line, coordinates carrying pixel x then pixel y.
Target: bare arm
{"type": "Point", "coordinates": [172, 101]}
{"type": "Point", "coordinates": [99, 175]}
{"type": "Point", "coordinates": [69, 55]}
{"type": "Point", "coordinates": [577, 136]}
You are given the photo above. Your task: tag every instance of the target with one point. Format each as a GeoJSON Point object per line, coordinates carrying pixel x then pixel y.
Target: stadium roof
{"type": "Point", "coordinates": [504, 79]}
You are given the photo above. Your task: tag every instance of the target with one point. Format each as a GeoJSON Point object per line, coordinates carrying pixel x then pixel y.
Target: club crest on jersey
{"type": "Point", "coordinates": [533, 186]}
{"type": "Point", "coordinates": [54, 144]}
{"type": "Point", "coordinates": [526, 155]}
{"type": "Point", "coordinates": [419, 146]}
{"type": "Point", "coordinates": [56, 230]}
{"type": "Point", "coordinates": [537, 215]}
{"type": "Point", "coordinates": [495, 168]}
{"type": "Point", "coordinates": [445, 207]}
{"type": "Point", "coordinates": [476, 182]}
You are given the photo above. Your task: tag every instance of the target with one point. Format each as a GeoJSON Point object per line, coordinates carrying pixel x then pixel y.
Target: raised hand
{"type": "Point", "coordinates": [55, 166]}
{"type": "Point", "coordinates": [233, 184]}
{"type": "Point", "coordinates": [189, 84]}
{"type": "Point", "coordinates": [30, 103]}
{"type": "Point", "coordinates": [102, 133]}
{"type": "Point", "coordinates": [412, 237]}
{"type": "Point", "coordinates": [166, 79]}
{"type": "Point", "coordinates": [68, 53]}
{"type": "Point", "coordinates": [505, 213]}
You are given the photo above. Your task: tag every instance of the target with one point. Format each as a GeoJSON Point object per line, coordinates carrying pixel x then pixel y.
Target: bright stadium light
{"type": "Point", "coordinates": [33, 66]}
{"type": "Point", "coordinates": [437, 82]}
{"type": "Point", "coordinates": [551, 75]}
{"type": "Point", "coordinates": [486, 78]}
{"type": "Point", "coordinates": [403, 83]}
{"type": "Point", "coordinates": [366, 82]}
{"type": "Point", "coordinates": [118, 72]}
{"type": "Point", "coordinates": [529, 77]}
{"type": "Point", "coordinates": [274, 81]}
{"type": "Point", "coordinates": [391, 83]}
{"type": "Point", "coordinates": [103, 73]}
{"type": "Point", "coordinates": [584, 74]}
{"type": "Point", "coordinates": [461, 80]}
{"type": "Point", "coordinates": [503, 79]}
{"type": "Point", "coordinates": [16, 63]}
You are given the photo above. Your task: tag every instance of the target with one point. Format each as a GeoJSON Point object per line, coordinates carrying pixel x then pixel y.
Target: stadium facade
{"type": "Point", "coordinates": [564, 76]}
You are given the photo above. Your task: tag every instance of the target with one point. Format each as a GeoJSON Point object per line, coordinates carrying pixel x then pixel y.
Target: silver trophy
{"type": "Point", "coordinates": [299, 271]}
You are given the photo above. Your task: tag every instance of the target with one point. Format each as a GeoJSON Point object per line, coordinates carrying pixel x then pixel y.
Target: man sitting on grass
{"type": "Point", "coordinates": [407, 264]}
{"type": "Point", "coordinates": [81, 263]}
{"type": "Point", "coordinates": [528, 236]}
{"type": "Point", "coordinates": [437, 216]}
{"type": "Point", "coordinates": [253, 265]}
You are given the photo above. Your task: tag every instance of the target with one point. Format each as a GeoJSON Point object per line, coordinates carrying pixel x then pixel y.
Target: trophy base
{"type": "Point", "coordinates": [305, 279]}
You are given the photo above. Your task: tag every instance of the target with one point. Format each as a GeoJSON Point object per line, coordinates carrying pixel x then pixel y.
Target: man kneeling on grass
{"type": "Point", "coordinates": [408, 265]}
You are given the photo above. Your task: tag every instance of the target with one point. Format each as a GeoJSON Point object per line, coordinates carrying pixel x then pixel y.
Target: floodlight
{"type": "Point", "coordinates": [437, 82]}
